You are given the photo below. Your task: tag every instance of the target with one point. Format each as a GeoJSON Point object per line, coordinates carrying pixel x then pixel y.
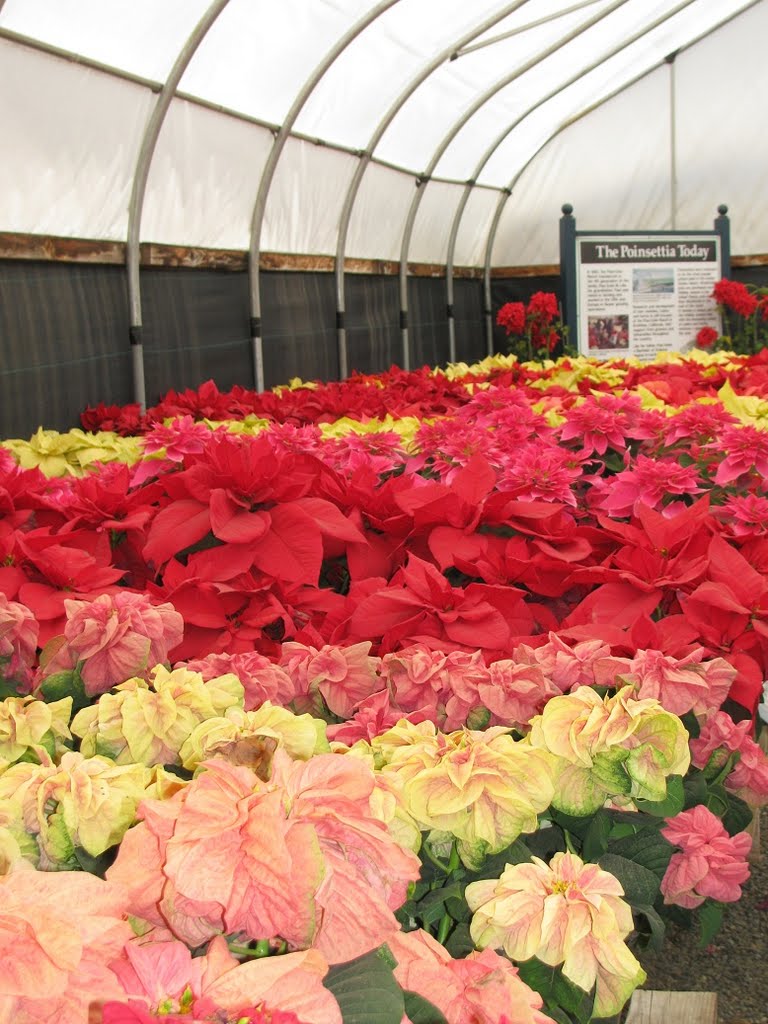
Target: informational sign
{"type": "Point", "coordinates": [639, 294]}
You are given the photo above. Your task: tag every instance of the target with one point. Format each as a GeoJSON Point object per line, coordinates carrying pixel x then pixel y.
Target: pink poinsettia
{"type": "Point", "coordinates": [341, 675]}
{"type": "Point", "coordinates": [693, 683]}
{"type": "Point", "coordinates": [262, 679]}
{"type": "Point", "coordinates": [300, 857]}
{"type": "Point", "coordinates": [482, 988]}
{"type": "Point", "coordinates": [162, 979]}
{"type": "Point", "coordinates": [116, 636]}
{"type": "Point", "coordinates": [18, 641]}
{"type": "Point", "coordinates": [58, 932]}
{"type": "Point", "coordinates": [711, 864]}
{"type": "Point", "coordinates": [749, 778]}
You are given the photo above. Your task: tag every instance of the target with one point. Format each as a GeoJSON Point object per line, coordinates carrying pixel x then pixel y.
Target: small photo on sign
{"type": "Point", "coordinates": [608, 332]}
{"type": "Point", "coordinates": [653, 281]}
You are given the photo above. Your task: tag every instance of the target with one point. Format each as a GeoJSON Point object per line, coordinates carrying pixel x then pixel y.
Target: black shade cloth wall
{"type": "Point", "coordinates": [64, 335]}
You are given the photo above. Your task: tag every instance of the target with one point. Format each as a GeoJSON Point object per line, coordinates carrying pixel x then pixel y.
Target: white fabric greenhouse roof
{"type": "Point", "coordinates": [301, 126]}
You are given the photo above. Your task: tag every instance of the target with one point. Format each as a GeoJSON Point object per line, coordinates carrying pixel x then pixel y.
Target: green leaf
{"type": "Point", "coordinates": [710, 918]}
{"type": "Point", "coordinates": [98, 865]}
{"type": "Point", "coordinates": [65, 684]}
{"type": "Point", "coordinates": [648, 848]}
{"type": "Point", "coordinates": [641, 886]}
{"type": "Point", "coordinates": [8, 688]}
{"type": "Point", "coordinates": [492, 866]}
{"type": "Point", "coordinates": [459, 943]}
{"type": "Point", "coordinates": [366, 991]}
{"type": "Point", "coordinates": [421, 1011]}
{"type": "Point", "coordinates": [432, 907]}
{"type": "Point", "coordinates": [695, 789]}
{"type": "Point", "coordinates": [596, 836]}
{"type": "Point", "coordinates": [556, 990]}
{"type": "Point", "coordinates": [656, 925]}
{"type": "Point", "coordinates": [672, 803]}
{"type": "Point", "coordinates": [738, 815]}
{"type": "Point", "coordinates": [691, 723]}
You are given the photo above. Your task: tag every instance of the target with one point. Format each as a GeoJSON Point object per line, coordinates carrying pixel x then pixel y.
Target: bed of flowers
{"type": "Point", "coordinates": [420, 697]}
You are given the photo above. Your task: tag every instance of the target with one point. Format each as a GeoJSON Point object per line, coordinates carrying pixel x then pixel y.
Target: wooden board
{"type": "Point", "coordinates": [672, 1008]}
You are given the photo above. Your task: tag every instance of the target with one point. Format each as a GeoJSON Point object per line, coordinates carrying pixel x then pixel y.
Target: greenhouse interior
{"type": "Point", "coordinates": [383, 511]}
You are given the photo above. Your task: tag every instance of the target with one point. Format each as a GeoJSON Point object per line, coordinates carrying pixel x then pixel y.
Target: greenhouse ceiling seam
{"type": "Point", "coordinates": [573, 119]}
{"type": "Point", "coordinates": [519, 29]}
{"type": "Point", "coordinates": [138, 189]}
{"type": "Point", "coordinates": [268, 171]}
{"type": "Point", "coordinates": [354, 185]}
{"type": "Point", "coordinates": [440, 150]}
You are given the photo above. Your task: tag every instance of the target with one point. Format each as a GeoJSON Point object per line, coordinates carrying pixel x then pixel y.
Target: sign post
{"type": "Point", "coordinates": [640, 293]}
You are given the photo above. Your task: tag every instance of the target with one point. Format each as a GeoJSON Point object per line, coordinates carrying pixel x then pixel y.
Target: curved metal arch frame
{"type": "Point", "coordinates": [365, 157]}
{"type": "Point", "coordinates": [548, 51]}
{"type": "Point", "coordinates": [138, 189]}
{"type": "Point", "coordinates": [462, 204]}
{"type": "Point", "coordinates": [506, 193]}
{"type": "Point", "coordinates": [268, 173]}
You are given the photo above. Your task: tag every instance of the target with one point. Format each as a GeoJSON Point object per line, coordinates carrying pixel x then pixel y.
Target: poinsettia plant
{"type": "Point", "coordinates": [744, 312]}
{"type": "Point", "coordinates": [301, 705]}
{"type": "Point", "coordinates": [534, 329]}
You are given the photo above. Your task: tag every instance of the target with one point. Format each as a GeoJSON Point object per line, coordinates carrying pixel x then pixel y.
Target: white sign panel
{"type": "Point", "coordinates": [638, 295]}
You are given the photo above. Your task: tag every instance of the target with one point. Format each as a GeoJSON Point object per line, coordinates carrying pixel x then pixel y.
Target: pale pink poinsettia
{"type": "Point", "coordinates": [301, 857]}
{"type": "Point", "coordinates": [372, 716]}
{"type": "Point", "coordinates": [567, 666]}
{"type": "Point", "coordinates": [416, 677]}
{"type": "Point", "coordinates": [721, 736]}
{"type": "Point", "coordinates": [482, 988]}
{"type": "Point", "coordinates": [466, 672]}
{"type": "Point", "coordinates": [693, 683]}
{"type": "Point", "coordinates": [341, 675]}
{"type": "Point", "coordinates": [58, 932]}
{"type": "Point", "coordinates": [566, 912]}
{"type": "Point", "coordinates": [515, 692]}
{"type": "Point", "coordinates": [711, 864]}
{"type": "Point", "coordinates": [116, 637]}
{"type": "Point", "coordinates": [18, 642]}
{"type": "Point", "coordinates": [163, 979]}
{"type": "Point", "coordinates": [262, 679]}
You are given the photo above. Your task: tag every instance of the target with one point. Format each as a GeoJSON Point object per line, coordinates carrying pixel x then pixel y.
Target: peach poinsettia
{"type": "Point", "coordinates": [162, 979]}
{"type": "Point", "coordinates": [300, 857]}
{"type": "Point", "coordinates": [609, 748]}
{"type": "Point", "coordinates": [484, 788]}
{"type": "Point", "coordinates": [483, 988]}
{"type": "Point", "coordinates": [114, 637]}
{"type": "Point", "coordinates": [58, 932]}
{"type": "Point", "coordinates": [566, 912]}
{"type": "Point", "coordinates": [148, 721]}
{"type": "Point", "coordinates": [710, 864]}
{"type": "Point", "coordinates": [32, 728]}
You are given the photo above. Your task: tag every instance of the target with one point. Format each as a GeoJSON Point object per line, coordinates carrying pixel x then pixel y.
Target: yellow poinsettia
{"type": "Point", "coordinates": [87, 802]}
{"type": "Point", "coordinates": [31, 728]}
{"type": "Point", "coordinates": [74, 452]}
{"type": "Point", "coordinates": [748, 408]}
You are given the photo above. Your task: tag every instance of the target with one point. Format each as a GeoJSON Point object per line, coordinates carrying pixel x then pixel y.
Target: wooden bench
{"type": "Point", "coordinates": [672, 1008]}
